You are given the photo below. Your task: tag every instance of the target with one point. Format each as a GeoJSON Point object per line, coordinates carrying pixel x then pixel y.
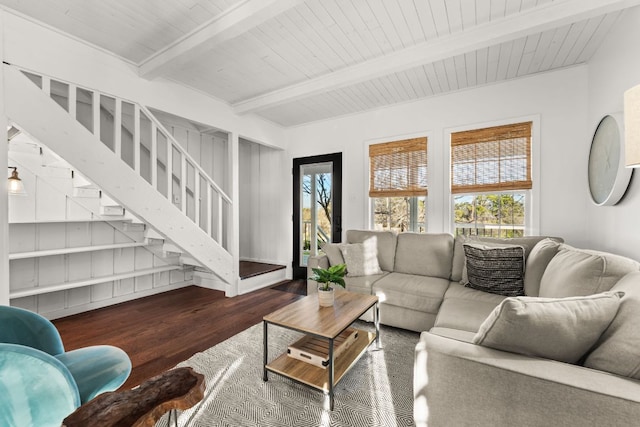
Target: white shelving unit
{"type": "Point", "coordinates": [75, 250]}
{"type": "Point", "coordinates": [88, 282]}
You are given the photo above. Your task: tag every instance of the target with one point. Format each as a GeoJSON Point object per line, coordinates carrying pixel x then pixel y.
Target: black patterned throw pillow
{"type": "Point", "coordinates": [498, 270]}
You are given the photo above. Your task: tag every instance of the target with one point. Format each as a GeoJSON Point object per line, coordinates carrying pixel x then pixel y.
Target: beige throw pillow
{"type": "Point", "coordinates": [361, 258]}
{"type": "Point", "coordinates": [562, 329]}
{"type": "Point", "coordinates": [618, 349]}
{"type": "Point", "coordinates": [333, 252]}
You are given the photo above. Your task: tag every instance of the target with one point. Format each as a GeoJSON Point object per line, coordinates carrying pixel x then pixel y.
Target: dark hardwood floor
{"type": "Point", "coordinates": [160, 331]}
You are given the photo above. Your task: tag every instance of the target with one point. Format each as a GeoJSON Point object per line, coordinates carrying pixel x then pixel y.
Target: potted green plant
{"type": "Point", "coordinates": [325, 277]}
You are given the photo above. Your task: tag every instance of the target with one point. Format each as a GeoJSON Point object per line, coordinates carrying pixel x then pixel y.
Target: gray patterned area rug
{"type": "Point", "coordinates": [377, 391]}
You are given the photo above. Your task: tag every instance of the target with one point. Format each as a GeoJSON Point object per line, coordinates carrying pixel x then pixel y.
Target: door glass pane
{"type": "Point", "coordinates": [316, 206]}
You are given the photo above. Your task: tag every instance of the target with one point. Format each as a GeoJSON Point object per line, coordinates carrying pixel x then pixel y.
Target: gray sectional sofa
{"type": "Point", "coordinates": [475, 365]}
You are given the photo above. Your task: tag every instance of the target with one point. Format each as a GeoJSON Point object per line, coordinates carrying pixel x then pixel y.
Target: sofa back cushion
{"type": "Point", "coordinates": [333, 252]}
{"type": "Point", "coordinates": [618, 348]}
{"type": "Point", "coordinates": [527, 242]}
{"type": "Point", "coordinates": [539, 258]}
{"type": "Point", "coordinates": [424, 254]}
{"type": "Point", "coordinates": [574, 272]}
{"type": "Point", "coordinates": [386, 245]}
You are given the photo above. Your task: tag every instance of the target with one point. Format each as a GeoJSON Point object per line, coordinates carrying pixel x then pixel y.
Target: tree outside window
{"type": "Point", "coordinates": [400, 213]}
{"type": "Point", "coordinates": [492, 215]}
{"type": "Point", "coordinates": [323, 210]}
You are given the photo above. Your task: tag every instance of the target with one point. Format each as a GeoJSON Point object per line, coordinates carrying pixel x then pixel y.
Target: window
{"type": "Point", "coordinates": [491, 180]}
{"type": "Point", "coordinates": [398, 184]}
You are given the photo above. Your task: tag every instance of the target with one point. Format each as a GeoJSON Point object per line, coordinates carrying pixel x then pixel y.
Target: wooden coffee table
{"type": "Point", "coordinates": [308, 317]}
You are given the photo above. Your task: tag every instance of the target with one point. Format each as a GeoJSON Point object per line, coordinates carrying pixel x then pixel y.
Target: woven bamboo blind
{"type": "Point", "coordinates": [491, 159]}
{"type": "Point", "coordinates": [398, 168]}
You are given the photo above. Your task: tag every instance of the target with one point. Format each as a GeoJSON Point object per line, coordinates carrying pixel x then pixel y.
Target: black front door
{"type": "Point", "coordinates": [317, 206]}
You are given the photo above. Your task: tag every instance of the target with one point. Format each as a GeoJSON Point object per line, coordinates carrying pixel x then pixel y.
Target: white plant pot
{"type": "Point", "coordinates": [325, 298]}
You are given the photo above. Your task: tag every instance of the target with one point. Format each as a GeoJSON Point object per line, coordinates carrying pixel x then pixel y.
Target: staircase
{"type": "Point", "coordinates": [135, 167]}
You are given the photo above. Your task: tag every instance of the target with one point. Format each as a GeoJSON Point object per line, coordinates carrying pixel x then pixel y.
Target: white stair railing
{"type": "Point", "coordinates": [136, 137]}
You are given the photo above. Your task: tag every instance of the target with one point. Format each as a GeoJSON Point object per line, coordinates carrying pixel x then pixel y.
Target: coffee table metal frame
{"type": "Point", "coordinates": [351, 357]}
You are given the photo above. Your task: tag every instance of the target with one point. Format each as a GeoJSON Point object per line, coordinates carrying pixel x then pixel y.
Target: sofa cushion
{"type": "Point", "coordinates": [455, 334]}
{"type": "Point", "coordinates": [618, 349]}
{"type": "Point", "coordinates": [465, 308]}
{"type": "Point", "coordinates": [527, 242]}
{"type": "Point", "coordinates": [425, 254]}
{"type": "Point", "coordinates": [562, 329]}
{"type": "Point", "coordinates": [539, 257]}
{"type": "Point", "coordinates": [362, 284]}
{"type": "Point", "coordinates": [386, 241]}
{"type": "Point", "coordinates": [361, 258]}
{"type": "Point", "coordinates": [574, 272]}
{"type": "Point", "coordinates": [420, 293]}
{"type": "Point", "coordinates": [333, 253]}
{"type": "Point", "coordinates": [495, 269]}
{"type": "Point", "coordinates": [404, 318]}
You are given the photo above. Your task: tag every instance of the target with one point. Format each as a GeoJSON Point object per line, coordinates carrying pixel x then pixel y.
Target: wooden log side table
{"type": "Point", "coordinates": [179, 388]}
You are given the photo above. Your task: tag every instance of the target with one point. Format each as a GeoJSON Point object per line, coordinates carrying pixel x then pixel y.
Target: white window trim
{"type": "Point", "coordinates": [532, 217]}
{"type": "Point", "coordinates": [368, 206]}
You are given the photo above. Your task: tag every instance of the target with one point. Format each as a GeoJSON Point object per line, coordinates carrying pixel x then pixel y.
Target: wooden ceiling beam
{"type": "Point", "coordinates": [532, 21]}
{"type": "Point", "coordinates": [239, 19]}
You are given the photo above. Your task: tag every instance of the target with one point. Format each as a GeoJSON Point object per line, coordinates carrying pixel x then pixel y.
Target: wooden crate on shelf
{"type": "Point", "coordinates": [316, 350]}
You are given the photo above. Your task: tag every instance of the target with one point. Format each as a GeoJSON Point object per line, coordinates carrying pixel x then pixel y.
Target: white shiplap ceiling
{"type": "Point", "coordinates": [297, 61]}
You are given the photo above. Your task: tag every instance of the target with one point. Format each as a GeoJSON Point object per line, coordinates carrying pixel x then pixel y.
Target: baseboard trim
{"type": "Point", "coordinates": [207, 280]}
{"type": "Point", "coordinates": [260, 281]}
{"type": "Point", "coordinates": [115, 300]}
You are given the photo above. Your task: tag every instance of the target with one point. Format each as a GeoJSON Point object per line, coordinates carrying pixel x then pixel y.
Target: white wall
{"type": "Point", "coordinates": [264, 183]}
{"type": "Point", "coordinates": [613, 69]}
{"type": "Point", "coordinates": [208, 149]}
{"type": "Point", "coordinates": [4, 210]}
{"type": "Point", "coordinates": [557, 101]}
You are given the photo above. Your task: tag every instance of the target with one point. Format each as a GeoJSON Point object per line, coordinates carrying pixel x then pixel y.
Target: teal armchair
{"type": "Point", "coordinates": [36, 388]}
{"type": "Point", "coordinates": [93, 370]}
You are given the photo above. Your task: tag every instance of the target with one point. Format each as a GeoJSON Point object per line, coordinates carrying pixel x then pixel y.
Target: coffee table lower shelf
{"type": "Point", "coordinates": [315, 376]}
